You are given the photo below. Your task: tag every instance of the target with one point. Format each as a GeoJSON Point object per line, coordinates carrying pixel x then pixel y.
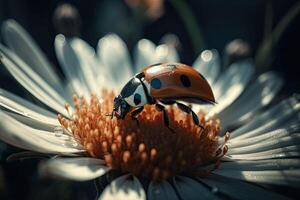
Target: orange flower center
{"type": "Point", "coordinates": [147, 148]}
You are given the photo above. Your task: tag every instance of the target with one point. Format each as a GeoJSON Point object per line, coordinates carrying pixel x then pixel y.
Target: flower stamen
{"type": "Point", "coordinates": [148, 148]}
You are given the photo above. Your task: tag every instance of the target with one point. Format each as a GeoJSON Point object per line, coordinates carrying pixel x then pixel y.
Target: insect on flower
{"type": "Point", "coordinates": [163, 84]}
{"type": "Point", "coordinates": [143, 162]}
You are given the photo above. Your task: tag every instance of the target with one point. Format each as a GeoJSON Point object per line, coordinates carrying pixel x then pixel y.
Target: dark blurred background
{"type": "Point", "coordinates": [217, 22]}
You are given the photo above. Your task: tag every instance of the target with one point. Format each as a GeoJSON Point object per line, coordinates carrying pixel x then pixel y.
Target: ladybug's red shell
{"type": "Point", "coordinates": [178, 82]}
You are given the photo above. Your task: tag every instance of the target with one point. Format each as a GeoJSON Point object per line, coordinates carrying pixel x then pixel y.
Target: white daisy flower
{"type": "Point", "coordinates": [192, 163]}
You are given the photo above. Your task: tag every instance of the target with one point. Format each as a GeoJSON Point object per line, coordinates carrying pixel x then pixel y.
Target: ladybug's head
{"type": "Point", "coordinates": [132, 95]}
{"type": "Point", "coordinates": [121, 107]}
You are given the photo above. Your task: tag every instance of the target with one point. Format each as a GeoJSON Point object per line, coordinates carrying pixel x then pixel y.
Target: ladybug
{"type": "Point", "coordinates": [163, 84]}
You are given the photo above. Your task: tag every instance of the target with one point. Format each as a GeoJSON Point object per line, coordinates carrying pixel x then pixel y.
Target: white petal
{"type": "Point", "coordinates": [189, 189]}
{"type": "Point", "coordinates": [76, 169]}
{"type": "Point", "coordinates": [282, 114]}
{"type": "Point", "coordinates": [261, 165]}
{"type": "Point", "coordinates": [23, 155]}
{"type": "Point", "coordinates": [259, 94]}
{"type": "Point", "coordinates": [165, 53]}
{"type": "Point", "coordinates": [236, 189]}
{"type": "Point", "coordinates": [36, 124]}
{"type": "Point", "coordinates": [208, 64]}
{"type": "Point", "coordinates": [23, 107]}
{"type": "Point", "coordinates": [114, 55]}
{"type": "Point", "coordinates": [31, 81]}
{"type": "Point", "coordinates": [264, 137]}
{"type": "Point", "coordinates": [161, 191]}
{"type": "Point", "coordinates": [88, 65]}
{"type": "Point", "coordinates": [84, 49]}
{"type": "Point", "coordinates": [71, 65]}
{"type": "Point", "coordinates": [26, 48]}
{"type": "Point", "coordinates": [144, 54]}
{"type": "Point", "coordinates": [231, 84]}
{"type": "Point", "coordinates": [282, 152]}
{"type": "Point", "coordinates": [293, 139]}
{"type": "Point", "coordinates": [25, 137]}
{"type": "Point", "coordinates": [289, 177]}
{"type": "Point", "coordinates": [125, 187]}
{"type": "Point", "coordinates": [237, 74]}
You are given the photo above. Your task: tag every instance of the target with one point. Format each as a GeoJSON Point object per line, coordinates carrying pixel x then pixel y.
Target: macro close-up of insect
{"type": "Point", "coordinates": [163, 84]}
{"type": "Point", "coordinates": [149, 100]}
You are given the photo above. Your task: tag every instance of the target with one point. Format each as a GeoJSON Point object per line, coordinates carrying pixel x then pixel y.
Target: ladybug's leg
{"type": "Point", "coordinates": [112, 114]}
{"type": "Point", "coordinates": [161, 108]}
{"type": "Point", "coordinates": [150, 99]}
{"type": "Point", "coordinates": [188, 110]}
{"type": "Point", "coordinates": [135, 113]}
{"type": "Point", "coordinates": [167, 102]}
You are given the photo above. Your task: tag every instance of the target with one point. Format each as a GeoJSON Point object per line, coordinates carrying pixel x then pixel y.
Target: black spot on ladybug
{"type": "Point", "coordinates": [202, 76]}
{"type": "Point", "coordinates": [155, 83]}
{"type": "Point", "coordinates": [185, 81]}
{"type": "Point", "coordinates": [137, 99]}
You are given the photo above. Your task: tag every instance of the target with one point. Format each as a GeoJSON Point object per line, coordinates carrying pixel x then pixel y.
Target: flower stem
{"type": "Point", "coordinates": [190, 23]}
{"type": "Point", "coordinates": [268, 18]}
{"type": "Point", "coordinates": [263, 54]}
